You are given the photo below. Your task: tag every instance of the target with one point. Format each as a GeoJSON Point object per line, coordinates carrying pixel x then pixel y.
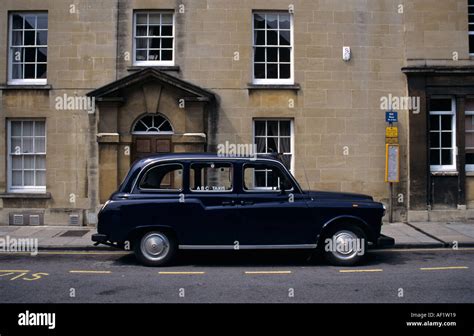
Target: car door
{"type": "Point", "coordinates": [272, 217]}
{"type": "Point", "coordinates": [210, 205]}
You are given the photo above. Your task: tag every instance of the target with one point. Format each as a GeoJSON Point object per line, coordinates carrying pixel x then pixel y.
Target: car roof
{"type": "Point", "coordinates": [202, 156]}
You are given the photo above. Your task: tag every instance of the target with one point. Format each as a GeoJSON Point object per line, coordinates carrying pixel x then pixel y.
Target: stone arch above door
{"type": "Point", "coordinates": [148, 93]}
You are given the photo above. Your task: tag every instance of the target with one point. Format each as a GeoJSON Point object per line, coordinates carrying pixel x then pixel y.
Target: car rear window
{"type": "Point", "coordinates": [163, 177]}
{"type": "Point", "coordinates": [211, 176]}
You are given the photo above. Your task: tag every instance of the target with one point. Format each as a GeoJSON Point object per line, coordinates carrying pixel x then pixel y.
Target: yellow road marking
{"type": "Point", "coordinates": [443, 268]}
{"type": "Point", "coordinates": [361, 270]}
{"type": "Point", "coordinates": [268, 272]}
{"type": "Point", "coordinates": [182, 273]}
{"type": "Point", "coordinates": [90, 272]}
{"type": "Point", "coordinates": [15, 271]}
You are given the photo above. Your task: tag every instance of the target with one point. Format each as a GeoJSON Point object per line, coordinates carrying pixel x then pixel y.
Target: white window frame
{"type": "Point", "coordinates": [28, 81]}
{"type": "Point", "coordinates": [292, 137]}
{"type": "Point", "coordinates": [276, 81]}
{"type": "Point", "coordinates": [454, 149]}
{"type": "Point", "coordinates": [469, 23]}
{"type": "Point", "coordinates": [469, 167]}
{"type": "Point", "coordinates": [153, 63]}
{"type": "Point", "coordinates": [22, 189]}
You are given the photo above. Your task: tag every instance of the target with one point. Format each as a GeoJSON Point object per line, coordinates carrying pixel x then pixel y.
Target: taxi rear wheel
{"type": "Point", "coordinates": [155, 248]}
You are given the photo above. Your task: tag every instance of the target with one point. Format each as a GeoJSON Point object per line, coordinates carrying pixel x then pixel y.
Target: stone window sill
{"type": "Point", "coordinates": [295, 87]}
{"type": "Point", "coordinates": [444, 173]}
{"type": "Point", "coordinates": [46, 195]}
{"type": "Point", "coordinates": [171, 68]}
{"type": "Point", "coordinates": [26, 87]}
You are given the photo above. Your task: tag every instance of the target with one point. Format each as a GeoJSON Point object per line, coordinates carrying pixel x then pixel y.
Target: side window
{"type": "Point", "coordinates": [211, 177]}
{"type": "Point", "coordinates": [163, 177]}
{"type": "Point", "coordinates": [264, 177]}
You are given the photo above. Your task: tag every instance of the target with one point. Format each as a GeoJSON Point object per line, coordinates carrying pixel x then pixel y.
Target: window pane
{"type": "Point", "coordinates": [30, 71]}
{"type": "Point", "coordinates": [30, 21]}
{"type": "Point", "coordinates": [272, 70]}
{"type": "Point", "coordinates": [42, 54]}
{"type": "Point", "coordinates": [167, 31]}
{"type": "Point", "coordinates": [41, 71]}
{"type": "Point", "coordinates": [27, 145]}
{"type": "Point", "coordinates": [141, 55]}
{"type": "Point", "coordinates": [471, 44]}
{"type": "Point", "coordinates": [446, 122]}
{"type": "Point", "coordinates": [434, 157]}
{"type": "Point", "coordinates": [30, 54]}
{"type": "Point", "coordinates": [169, 176]}
{"type": "Point", "coordinates": [42, 38]}
{"type": "Point", "coordinates": [42, 21]}
{"type": "Point", "coordinates": [446, 139]}
{"type": "Point", "coordinates": [285, 71]}
{"type": "Point", "coordinates": [154, 55]}
{"type": "Point", "coordinates": [259, 128]}
{"type": "Point", "coordinates": [272, 54]}
{"type": "Point", "coordinates": [259, 21]}
{"type": "Point", "coordinates": [259, 70]}
{"type": "Point", "coordinates": [285, 128]}
{"type": "Point", "coordinates": [167, 19]}
{"type": "Point", "coordinates": [17, 178]}
{"type": "Point", "coordinates": [142, 43]}
{"type": "Point", "coordinates": [17, 162]}
{"type": "Point", "coordinates": [446, 157]}
{"type": "Point", "coordinates": [141, 18]}
{"type": "Point", "coordinates": [285, 144]}
{"type": "Point", "coordinates": [15, 146]}
{"type": "Point", "coordinates": [470, 157]}
{"type": "Point", "coordinates": [272, 144]}
{"type": "Point", "coordinates": [16, 128]}
{"type": "Point", "coordinates": [30, 37]}
{"type": "Point", "coordinates": [440, 104]}
{"type": "Point", "coordinates": [211, 177]}
{"type": "Point", "coordinates": [17, 21]}
{"type": "Point", "coordinates": [434, 140]}
{"type": "Point", "coordinates": [272, 128]}
{"type": "Point", "coordinates": [154, 19]}
{"type": "Point", "coordinates": [167, 55]}
{"type": "Point", "coordinates": [285, 38]}
{"type": "Point", "coordinates": [154, 43]}
{"type": "Point", "coordinates": [284, 21]}
{"type": "Point", "coordinates": [40, 145]}
{"type": "Point", "coordinates": [167, 43]}
{"type": "Point", "coordinates": [40, 178]}
{"type": "Point", "coordinates": [272, 37]}
{"type": "Point", "coordinates": [29, 177]}
{"type": "Point", "coordinates": [141, 31]}
{"type": "Point", "coordinates": [434, 122]}
{"type": "Point", "coordinates": [27, 128]}
{"type": "Point", "coordinates": [272, 21]}
{"type": "Point", "coordinates": [40, 162]}
{"type": "Point", "coordinates": [154, 31]}
{"type": "Point", "coordinates": [17, 38]}
{"type": "Point", "coordinates": [259, 37]}
{"type": "Point", "coordinates": [29, 162]}
{"type": "Point", "coordinates": [285, 54]}
{"type": "Point", "coordinates": [259, 55]}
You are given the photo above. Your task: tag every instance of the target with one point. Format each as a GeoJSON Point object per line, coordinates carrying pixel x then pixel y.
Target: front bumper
{"type": "Point", "coordinates": [385, 241]}
{"type": "Point", "coordinates": [99, 238]}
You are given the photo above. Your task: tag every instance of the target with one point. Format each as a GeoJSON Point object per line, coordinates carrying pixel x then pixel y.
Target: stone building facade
{"type": "Point", "coordinates": [88, 86]}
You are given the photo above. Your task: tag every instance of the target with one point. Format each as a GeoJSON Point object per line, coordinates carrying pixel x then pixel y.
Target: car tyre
{"type": "Point", "coordinates": [350, 256]}
{"type": "Point", "coordinates": [155, 248]}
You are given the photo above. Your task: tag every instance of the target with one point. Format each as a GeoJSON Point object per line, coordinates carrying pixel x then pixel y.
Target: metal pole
{"type": "Point", "coordinates": [390, 214]}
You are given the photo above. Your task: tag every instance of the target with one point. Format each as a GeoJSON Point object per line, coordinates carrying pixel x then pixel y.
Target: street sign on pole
{"type": "Point", "coordinates": [391, 117]}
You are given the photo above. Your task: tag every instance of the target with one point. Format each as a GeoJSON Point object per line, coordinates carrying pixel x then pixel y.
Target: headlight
{"type": "Point", "coordinates": [384, 209]}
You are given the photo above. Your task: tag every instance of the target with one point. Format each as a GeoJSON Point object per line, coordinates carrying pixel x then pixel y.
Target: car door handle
{"type": "Point", "coordinates": [246, 203]}
{"type": "Point", "coordinates": [231, 203]}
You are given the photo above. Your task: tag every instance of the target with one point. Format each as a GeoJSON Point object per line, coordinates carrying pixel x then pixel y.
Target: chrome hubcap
{"type": "Point", "coordinates": [155, 246]}
{"type": "Point", "coordinates": [347, 244]}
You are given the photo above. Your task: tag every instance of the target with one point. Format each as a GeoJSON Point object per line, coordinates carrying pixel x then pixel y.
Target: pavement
{"type": "Point", "coordinates": [406, 235]}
